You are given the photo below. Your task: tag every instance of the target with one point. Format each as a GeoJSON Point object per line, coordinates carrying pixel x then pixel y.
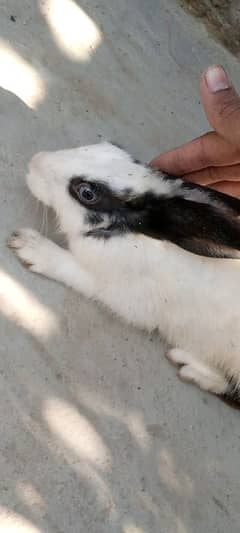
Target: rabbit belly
{"type": "Point", "coordinates": [194, 302]}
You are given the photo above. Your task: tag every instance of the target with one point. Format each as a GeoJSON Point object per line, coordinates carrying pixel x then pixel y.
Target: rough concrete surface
{"type": "Point", "coordinates": [97, 433]}
{"type": "Point", "coordinates": [222, 19]}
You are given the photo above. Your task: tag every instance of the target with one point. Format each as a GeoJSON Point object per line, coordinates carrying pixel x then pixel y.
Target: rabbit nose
{"type": "Point", "coordinates": [37, 161]}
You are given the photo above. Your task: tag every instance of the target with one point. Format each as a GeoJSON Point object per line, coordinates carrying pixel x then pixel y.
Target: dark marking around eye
{"type": "Point", "coordinates": [84, 191]}
{"type": "Point", "coordinates": [108, 200]}
{"type": "Point", "coordinates": [209, 226]}
{"type": "Point", "coordinates": [80, 178]}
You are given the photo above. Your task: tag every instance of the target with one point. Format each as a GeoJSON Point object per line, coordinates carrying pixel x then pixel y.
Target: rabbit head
{"type": "Point", "coordinates": [100, 191]}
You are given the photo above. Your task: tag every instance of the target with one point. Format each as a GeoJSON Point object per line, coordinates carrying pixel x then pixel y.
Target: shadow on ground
{"type": "Point", "coordinates": [97, 433]}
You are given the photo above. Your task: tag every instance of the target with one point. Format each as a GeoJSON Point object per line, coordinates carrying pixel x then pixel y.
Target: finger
{"type": "Point", "coordinates": [228, 187]}
{"type": "Point", "coordinates": [221, 103]}
{"type": "Point", "coordinates": [208, 150]}
{"type": "Point", "coordinates": [214, 174]}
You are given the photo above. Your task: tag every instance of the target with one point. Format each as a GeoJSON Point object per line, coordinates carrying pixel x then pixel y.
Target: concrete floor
{"type": "Point", "coordinates": [97, 433]}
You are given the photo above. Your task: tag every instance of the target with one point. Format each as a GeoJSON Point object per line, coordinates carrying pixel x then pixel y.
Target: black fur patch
{"type": "Point", "coordinates": [107, 233]}
{"type": "Point", "coordinates": [94, 218]}
{"type": "Point", "coordinates": [229, 202]}
{"type": "Point", "coordinates": [108, 201]}
{"type": "Point", "coordinates": [197, 227]}
{"type": "Point", "coordinates": [207, 225]}
{"type": "Point", "coordinates": [232, 394]}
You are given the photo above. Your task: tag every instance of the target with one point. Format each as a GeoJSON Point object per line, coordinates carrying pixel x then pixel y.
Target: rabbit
{"type": "Point", "coordinates": [158, 251]}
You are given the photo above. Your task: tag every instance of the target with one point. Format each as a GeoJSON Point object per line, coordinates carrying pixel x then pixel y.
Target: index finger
{"type": "Point", "coordinates": [207, 150]}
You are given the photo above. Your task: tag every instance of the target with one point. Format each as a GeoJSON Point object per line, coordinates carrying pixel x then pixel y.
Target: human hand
{"type": "Point", "coordinates": [214, 158]}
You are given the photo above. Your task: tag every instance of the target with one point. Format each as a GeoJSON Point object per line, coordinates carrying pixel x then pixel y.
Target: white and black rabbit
{"type": "Point", "coordinates": [140, 242]}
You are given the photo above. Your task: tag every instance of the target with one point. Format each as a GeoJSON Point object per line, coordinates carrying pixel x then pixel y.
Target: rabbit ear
{"type": "Point", "coordinates": [197, 219]}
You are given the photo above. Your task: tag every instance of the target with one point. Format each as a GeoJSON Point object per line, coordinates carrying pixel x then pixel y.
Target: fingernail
{"type": "Point", "coordinates": [217, 79]}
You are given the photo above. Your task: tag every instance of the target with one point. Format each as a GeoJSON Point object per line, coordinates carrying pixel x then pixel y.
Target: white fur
{"type": "Point", "coordinates": [193, 301]}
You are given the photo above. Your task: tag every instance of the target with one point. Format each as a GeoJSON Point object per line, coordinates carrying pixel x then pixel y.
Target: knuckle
{"type": "Point", "coordinates": [203, 155]}
{"type": "Point", "coordinates": [180, 160]}
{"type": "Point", "coordinates": [229, 108]}
{"type": "Point", "coordinates": [212, 174]}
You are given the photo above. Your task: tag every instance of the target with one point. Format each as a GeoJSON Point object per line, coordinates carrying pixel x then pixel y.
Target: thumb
{"type": "Point", "coordinates": [221, 103]}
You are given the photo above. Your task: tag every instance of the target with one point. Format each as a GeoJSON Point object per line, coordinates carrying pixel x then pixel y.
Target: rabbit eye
{"type": "Point", "coordinates": [86, 194]}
